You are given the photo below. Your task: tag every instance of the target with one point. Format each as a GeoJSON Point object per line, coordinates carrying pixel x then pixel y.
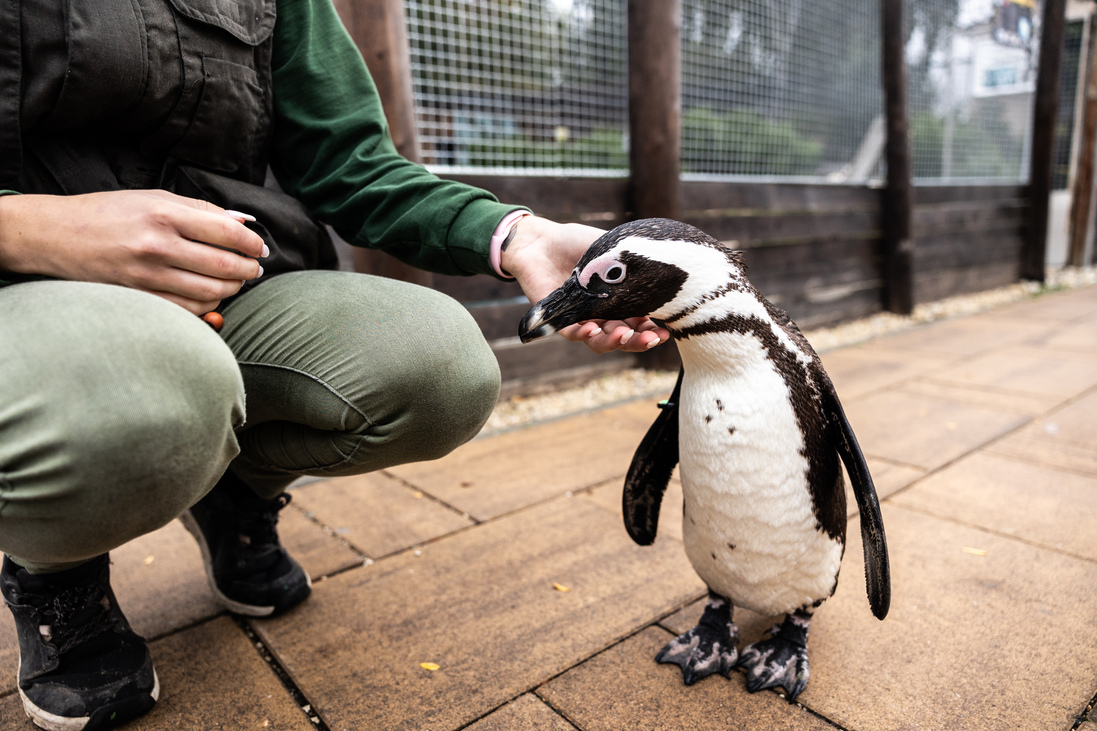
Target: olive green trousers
{"type": "Point", "coordinates": [119, 410]}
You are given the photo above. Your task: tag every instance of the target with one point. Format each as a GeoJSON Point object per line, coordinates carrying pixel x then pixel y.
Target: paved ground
{"type": "Point", "coordinates": [507, 566]}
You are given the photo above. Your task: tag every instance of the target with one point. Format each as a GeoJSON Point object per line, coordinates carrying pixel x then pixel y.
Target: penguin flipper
{"type": "Point", "coordinates": [877, 568]}
{"type": "Point", "coordinates": [650, 471]}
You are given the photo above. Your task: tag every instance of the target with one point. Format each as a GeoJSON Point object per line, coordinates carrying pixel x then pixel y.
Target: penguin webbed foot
{"type": "Point", "coordinates": [708, 648]}
{"type": "Point", "coordinates": [780, 660]}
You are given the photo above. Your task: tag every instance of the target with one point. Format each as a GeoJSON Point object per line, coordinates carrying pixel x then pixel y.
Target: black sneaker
{"type": "Point", "coordinates": [81, 667]}
{"type": "Point", "coordinates": [248, 570]}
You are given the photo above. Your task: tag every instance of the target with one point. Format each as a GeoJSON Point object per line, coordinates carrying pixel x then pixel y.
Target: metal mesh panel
{"type": "Point", "coordinates": [785, 89]}
{"type": "Point", "coordinates": [781, 89]}
{"type": "Point", "coordinates": [971, 68]}
{"type": "Point", "coordinates": [520, 86]}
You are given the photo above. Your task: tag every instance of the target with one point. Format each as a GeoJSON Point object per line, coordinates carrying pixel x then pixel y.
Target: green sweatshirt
{"type": "Point", "coordinates": [332, 150]}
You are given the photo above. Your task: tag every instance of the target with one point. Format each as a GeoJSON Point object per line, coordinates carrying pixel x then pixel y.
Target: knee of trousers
{"type": "Point", "coordinates": [118, 447]}
{"type": "Point", "coordinates": [451, 399]}
{"type": "Point", "coordinates": [442, 397]}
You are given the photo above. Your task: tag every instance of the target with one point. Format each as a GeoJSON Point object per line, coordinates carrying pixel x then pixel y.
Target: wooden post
{"type": "Point", "coordinates": [898, 194]}
{"type": "Point", "coordinates": [1082, 193]}
{"type": "Point", "coordinates": [1046, 107]}
{"type": "Point", "coordinates": [655, 106]}
{"type": "Point", "coordinates": [379, 29]}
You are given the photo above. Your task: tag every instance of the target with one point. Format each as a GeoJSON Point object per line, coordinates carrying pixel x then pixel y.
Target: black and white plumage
{"type": "Point", "coordinates": [757, 428]}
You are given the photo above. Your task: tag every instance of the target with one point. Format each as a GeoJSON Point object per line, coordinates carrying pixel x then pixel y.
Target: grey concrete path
{"type": "Point", "coordinates": [505, 566]}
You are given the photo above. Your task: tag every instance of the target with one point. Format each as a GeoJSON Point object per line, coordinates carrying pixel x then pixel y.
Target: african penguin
{"type": "Point", "coordinates": [757, 428]}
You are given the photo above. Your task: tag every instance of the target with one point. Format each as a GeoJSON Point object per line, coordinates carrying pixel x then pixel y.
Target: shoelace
{"type": "Point", "coordinates": [74, 616]}
{"type": "Point", "coordinates": [256, 525]}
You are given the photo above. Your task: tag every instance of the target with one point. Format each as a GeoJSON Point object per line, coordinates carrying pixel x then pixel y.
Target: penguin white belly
{"type": "Point", "coordinates": [748, 524]}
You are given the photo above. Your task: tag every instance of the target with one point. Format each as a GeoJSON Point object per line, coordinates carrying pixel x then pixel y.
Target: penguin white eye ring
{"type": "Point", "coordinates": [757, 428]}
{"type": "Point", "coordinates": [609, 269]}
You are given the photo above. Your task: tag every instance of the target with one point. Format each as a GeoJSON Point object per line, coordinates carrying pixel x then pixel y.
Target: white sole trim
{"type": "Point", "coordinates": [250, 610]}
{"type": "Point", "coordinates": [52, 722]}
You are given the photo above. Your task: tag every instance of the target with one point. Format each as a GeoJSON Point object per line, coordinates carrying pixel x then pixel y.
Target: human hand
{"type": "Point", "coordinates": [542, 255]}
{"type": "Point", "coordinates": [187, 251]}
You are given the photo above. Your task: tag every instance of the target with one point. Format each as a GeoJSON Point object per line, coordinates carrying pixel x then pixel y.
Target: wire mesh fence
{"type": "Point", "coordinates": [777, 90]}
{"type": "Point", "coordinates": [971, 68]}
{"type": "Point", "coordinates": [521, 86]}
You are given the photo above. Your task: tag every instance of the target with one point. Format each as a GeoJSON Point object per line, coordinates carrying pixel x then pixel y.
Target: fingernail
{"type": "Point", "coordinates": [653, 343]}
{"type": "Point", "coordinates": [627, 336]}
{"type": "Point", "coordinates": [240, 216]}
{"type": "Point", "coordinates": [260, 272]}
{"type": "Point", "coordinates": [596, 331]}
{"type": "Point", "coordinates": [266, 251]}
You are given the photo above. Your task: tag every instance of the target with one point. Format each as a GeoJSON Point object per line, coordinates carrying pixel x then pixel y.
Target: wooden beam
{"type": "Point", "coordinates": [1045, 110]}
{"type": "Point", "coordinates": [655, 106]}
{"type": "Point", "coordinates": [897, 195]}
{"type": "Point", "coordinates": [379, 29]}
{"type": "Point", "coordinates": [1082, 193]}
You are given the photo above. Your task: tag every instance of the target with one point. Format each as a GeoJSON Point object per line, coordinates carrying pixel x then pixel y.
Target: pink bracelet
{"type": "Point", "coordinates": [502, 231]}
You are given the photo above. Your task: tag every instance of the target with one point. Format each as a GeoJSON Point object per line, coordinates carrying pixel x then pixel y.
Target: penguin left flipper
{"type": "Point", "coordinates": [650, 471]}
{"type": "Point", "coordinates": [877, 569]}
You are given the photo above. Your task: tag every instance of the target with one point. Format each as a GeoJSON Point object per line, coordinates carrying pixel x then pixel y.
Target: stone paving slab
{"type": "Point", "coordinates": [624, 688]}
{"type": "Point", "coordinates": [211, 677]}
{"type": "Point", "coordinates": [1065, 306]}
{"type": "Point", "coordinates": [525, 713]}
{"type": "Point", "coordinates": [1079, 336]}
{"type": "Point", "coordinates": [996, 640]}
{"type": "Point", "coordinates": [1039, 504]}
{"type": "Point", "coordinates": [1064, 439]}
{"type": "Point", "coordinates": [482, 605]}
{"type": "Point", "coordinates": [964, 337]}
{"type": "Point", "coordinates": [924, 431]}
{"type": "Point", "coordinates": [376, 513]}
{"type": "Point", "coordinates": [864, 369]}
{"type": "Point", "coordinates": [1015, 402]}
{"type": "Point", "coordinates": [1025, 370]}
{"type": "Point", "coordinates": [489, 477]}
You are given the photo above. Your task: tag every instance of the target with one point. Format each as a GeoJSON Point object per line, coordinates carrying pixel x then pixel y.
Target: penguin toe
{"type": "Point", "coordinates": [776, 662]}
{"type": "Point", "coordinates": [700, 652]}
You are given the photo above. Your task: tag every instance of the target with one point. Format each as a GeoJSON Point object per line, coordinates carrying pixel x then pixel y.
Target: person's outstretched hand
{"type": "Point", "coordinates": [542, 255]}
{"type": "Point", "coordinates": [187, 251]}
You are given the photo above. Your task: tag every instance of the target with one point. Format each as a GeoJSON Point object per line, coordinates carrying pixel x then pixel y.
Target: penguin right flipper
{"type": "Point", "coordinates": [877, 568]}
{"type": "Point", "coordinates": [650, 471]}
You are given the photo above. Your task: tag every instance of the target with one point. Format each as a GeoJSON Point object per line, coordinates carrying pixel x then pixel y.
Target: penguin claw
{"type": "Point", "coordinates": [776, 662]}
{"type": "Point", "coordinates": [700, 652]}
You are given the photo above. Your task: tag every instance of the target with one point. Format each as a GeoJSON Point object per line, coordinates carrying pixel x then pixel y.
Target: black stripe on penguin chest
{"type": "Point", "coordinates": [828, 500]}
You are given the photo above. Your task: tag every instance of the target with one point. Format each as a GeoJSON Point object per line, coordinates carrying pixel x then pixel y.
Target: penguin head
{"type": "Point", "coordinates": [653, 267]}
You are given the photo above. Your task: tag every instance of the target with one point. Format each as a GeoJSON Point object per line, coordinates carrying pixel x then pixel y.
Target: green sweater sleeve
{"type": "Point", "coordinates": [332, 150]}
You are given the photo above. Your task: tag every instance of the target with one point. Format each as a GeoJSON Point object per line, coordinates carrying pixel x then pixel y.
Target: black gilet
{"type": "Point", "coordinates": [102, 95]}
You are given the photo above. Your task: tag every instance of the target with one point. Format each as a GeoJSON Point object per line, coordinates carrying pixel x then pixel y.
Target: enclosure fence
{"type": "Point", "coordinates": [786, 90]}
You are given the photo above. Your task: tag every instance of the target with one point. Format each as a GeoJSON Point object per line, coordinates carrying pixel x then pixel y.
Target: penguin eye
{"type": "Point", "coordinates": [608, 269]}
{"type": "Point", "coordinates": [614, 274]}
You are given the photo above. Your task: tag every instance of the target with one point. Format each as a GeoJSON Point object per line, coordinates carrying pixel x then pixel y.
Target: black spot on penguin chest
{"type": "Point", "coordinates": [828, 499]}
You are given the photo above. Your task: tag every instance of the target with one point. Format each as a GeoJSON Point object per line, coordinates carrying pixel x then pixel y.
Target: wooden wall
{"type": "Point", "coordinates": [814, 250]}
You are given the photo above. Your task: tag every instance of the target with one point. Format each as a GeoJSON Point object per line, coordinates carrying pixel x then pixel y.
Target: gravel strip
{"type": "Point", "coordinates": [638, 383]}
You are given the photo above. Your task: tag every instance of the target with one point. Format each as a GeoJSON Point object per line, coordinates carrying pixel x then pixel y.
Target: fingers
{"type": "Point", "coordinates": [635, 335]}
{"type": "Point", "coordinates": [210, 261]}
{"type": "Point", "coordinates": [192, 306]}
{"type": "Point", "coordinates": [220, 228]}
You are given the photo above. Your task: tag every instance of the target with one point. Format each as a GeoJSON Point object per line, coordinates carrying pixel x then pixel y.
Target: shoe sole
{"type": "Point", "coordinates": [249, 610]}
{"type": "Point", "coordinates": [52, 722]}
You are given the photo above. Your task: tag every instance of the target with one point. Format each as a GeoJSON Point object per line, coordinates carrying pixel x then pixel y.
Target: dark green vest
{"type": "Point", "coordinates": [172, 94]}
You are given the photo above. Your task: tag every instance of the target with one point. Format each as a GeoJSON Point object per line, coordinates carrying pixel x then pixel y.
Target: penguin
{"type": "Point", "coordinates": [757, 429]}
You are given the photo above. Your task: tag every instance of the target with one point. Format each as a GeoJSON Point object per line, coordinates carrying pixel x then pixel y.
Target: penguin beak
{"type": "Point", "coordinates": [566, 306]}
